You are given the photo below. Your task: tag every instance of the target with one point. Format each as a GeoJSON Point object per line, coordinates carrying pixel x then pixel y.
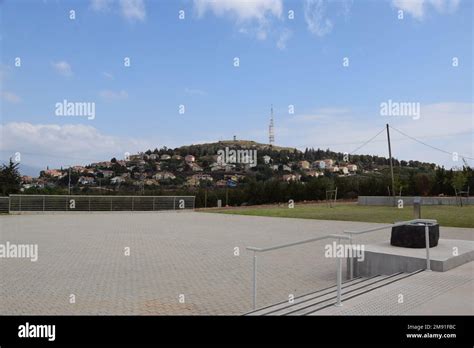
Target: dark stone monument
{"type": "Point", "coordinates": [413, 235]}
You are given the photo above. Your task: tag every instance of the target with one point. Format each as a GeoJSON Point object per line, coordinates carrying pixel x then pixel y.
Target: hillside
{"type": "Point", "coordinates": [270, 174]}
{"type": "Point", "coordinates": [238, 144]}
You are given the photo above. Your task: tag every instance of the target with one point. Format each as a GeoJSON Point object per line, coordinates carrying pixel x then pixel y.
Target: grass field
{"type": "Point", "coordinates": [446, 215]}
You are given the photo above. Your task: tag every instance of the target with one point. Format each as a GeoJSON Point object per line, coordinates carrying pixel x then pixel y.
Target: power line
{"type": "Point", "coordinates": [368, 141]}
{"type": "Point", "coordinates": [428, 145]}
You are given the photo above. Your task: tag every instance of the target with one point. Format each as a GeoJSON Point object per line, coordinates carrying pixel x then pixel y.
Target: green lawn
{"type": "Point", "coordinates": [446, 215]}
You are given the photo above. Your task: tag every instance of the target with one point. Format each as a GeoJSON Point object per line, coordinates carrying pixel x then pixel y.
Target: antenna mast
{"type": "Point", "coordinates": [271, 131]}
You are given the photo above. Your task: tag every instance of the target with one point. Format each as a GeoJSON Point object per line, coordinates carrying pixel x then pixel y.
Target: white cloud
{"type": "Point", "coordinates": [418, 8]}
{"type": "Point", "coordinates": [113, 95]}
{"type": "Point", "coordinates": [56, 145]}
{"type": "Point", "coordinates": [100, 5]}
{"type": "Point", "coordinates": [448, 126]}
{"type": "Point", "coordinates": [11, 97]}
{"type": "Point", "coordinates": [241, 10]}
{"type": "Point", "coordinates": [133, 9]}
{"type": "Point", "coordinates": [319, 14]}
{"type": "Point", "coordinates": [314, 14]}
{"type": "Point", "coordinates": [283, 39]}
{"type": "Point", "coordinates": [253, 18]}
{"type": "Point", "coordinates": [63, 68]}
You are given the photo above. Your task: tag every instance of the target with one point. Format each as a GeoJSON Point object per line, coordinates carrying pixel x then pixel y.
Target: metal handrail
{"type": "Point", "coordinates": [426, 222]}
{"type": "Point", "coordinates": [280, 246]}
{"type": "Point", "coordinates": [401, 223]}
{"type": "Point", "coordinates": [340, 236]}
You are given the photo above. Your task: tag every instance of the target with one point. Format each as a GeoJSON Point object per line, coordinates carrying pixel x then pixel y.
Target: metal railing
{"type": "Point", "coordinates": [38, 203]}
{"type": "Point", "coordinates": [280, 246]}
{"type": "Point", "coordinates": [4, 203]}
{"type": "Point", "coordinates": [426, 222]}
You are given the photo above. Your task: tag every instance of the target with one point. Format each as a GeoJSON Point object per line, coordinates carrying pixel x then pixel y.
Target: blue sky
{"type": "Point", "coordinates": [189, 62]}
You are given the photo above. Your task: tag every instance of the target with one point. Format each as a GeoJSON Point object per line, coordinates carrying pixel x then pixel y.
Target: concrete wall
{"type": "Point", "coordinates": [408, 200]}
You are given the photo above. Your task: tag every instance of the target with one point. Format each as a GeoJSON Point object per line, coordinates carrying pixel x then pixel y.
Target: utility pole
{"type": "Point", "coordinates": [391, 164]}
{"type": "Point", "coordinates": [69, 184]}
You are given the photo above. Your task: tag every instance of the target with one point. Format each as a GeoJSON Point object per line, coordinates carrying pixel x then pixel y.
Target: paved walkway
{"type": "Point", "coordinates": [170, 254]}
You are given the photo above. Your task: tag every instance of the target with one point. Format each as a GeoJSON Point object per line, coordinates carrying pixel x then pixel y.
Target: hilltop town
{"type": "Point", "coordinates": [193, 166]}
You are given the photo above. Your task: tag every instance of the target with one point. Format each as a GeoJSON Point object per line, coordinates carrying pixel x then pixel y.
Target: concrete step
{"type": "Point", "coordinates": [323, 298]}
{"type": "Point", "coordinates": [302, 298]}
{"type": "Point", "coordinates": [346, 295]}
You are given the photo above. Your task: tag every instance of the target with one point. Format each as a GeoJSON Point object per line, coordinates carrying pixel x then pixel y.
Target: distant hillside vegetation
{"type": "Point", "coordinates": [212, 148]}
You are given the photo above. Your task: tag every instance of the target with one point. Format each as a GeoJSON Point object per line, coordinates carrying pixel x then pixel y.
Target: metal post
{"type": "Point", "coordinates": [89, 203]}
{"type": "Point", "coordinates": [154, 203]}
{"type": "Point", "coordinates": [391, 164]}
{"type": "Point", "coordinates": [69, 183]}
{"type": "Point", "coordinates": [351, 263]}
{"type": "Point", "coordinates": [9, 204]}
{"type": "Point", "coordinates": [339, 279]}
{"type": "Point", "coordinates": [111, 203]}
{"type": "Point", "coordinates": [427, 241]}
{"type": "Point", "coordinates": [254, 280]}
{"type": "Point", "coordinates": [417, 207]}
{"type": "Point", "coordinates": [43, 202]}
{"type": "Point", "coordinates": [20, 204]}
{"type": "Point", "coordinates": [133, 203]}
{"type": "Point", "coordinates": [174, 203]}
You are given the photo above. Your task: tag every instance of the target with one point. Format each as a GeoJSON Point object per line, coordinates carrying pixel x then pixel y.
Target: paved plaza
{"type": "Point", "coordinates": [174, 257]}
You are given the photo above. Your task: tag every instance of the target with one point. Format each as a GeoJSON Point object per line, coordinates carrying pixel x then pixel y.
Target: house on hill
{"type": "Point", "coordinates": [164, 176]}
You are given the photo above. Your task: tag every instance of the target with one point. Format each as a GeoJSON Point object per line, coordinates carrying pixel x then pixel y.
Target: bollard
{"type": "Point", "coordinates": [417, 208]}
{"type": "Point", "coordinates": [427, 241]}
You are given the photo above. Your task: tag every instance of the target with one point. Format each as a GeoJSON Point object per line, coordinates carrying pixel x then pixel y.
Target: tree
{"type": "Point", "coordinates": [459, 180]}
{"type": "Point", "coordinates": [10, 179]}
{"type": "Point", "coordinates": [423, 184]}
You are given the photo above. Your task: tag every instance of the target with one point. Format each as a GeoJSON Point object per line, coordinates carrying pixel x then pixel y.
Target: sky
{"type": "Point", "coordinates": [335, 63]}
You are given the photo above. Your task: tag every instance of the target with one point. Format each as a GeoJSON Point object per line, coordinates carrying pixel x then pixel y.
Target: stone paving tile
{"type": "Point", "coordinates": [171, 253]}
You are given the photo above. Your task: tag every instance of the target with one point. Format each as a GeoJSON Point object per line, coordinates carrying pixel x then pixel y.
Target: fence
{"type": "Point", "coordinates": [26, 203]}
{"type": "Point", "coordinates": [4, 204]}
{"type": "Point", "coordinates": [408, 200]}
